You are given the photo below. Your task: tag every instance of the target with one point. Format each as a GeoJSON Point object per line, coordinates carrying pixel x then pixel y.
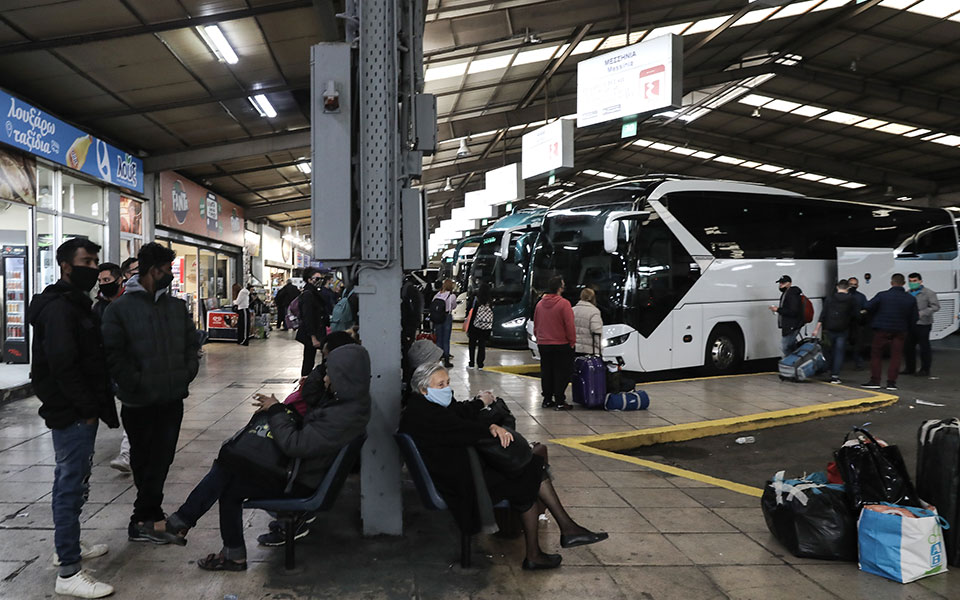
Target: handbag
{"type": "Point", "coordinates": [901, 543]}
{"type": "Point", "coordinates": [498, 414]}
{"type": "Point", "coordinates": [511, 459]}
{"type": "Point", "coordinates": [251, 451]}
{"type": "Point", "coordinates": [873, 473]}
{"type": "Point", "coordinates": [638, 400]}
{"type": "Point", "coordinates": [466, 322]}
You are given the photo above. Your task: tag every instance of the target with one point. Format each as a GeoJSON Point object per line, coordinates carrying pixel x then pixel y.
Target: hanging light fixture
{"type": "Point", "coordinates": [463, 150]}
{"type": "Point", "coordinates": [448, 187]}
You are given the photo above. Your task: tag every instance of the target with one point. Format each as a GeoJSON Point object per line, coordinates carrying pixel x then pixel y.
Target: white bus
{"type": "Point", "coordinates": [685, 269]}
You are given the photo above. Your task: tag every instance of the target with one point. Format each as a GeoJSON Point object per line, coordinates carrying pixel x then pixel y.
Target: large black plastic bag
{"type": "Point", "coordinates": [811, 519]}
{"type": "Point", "coordinates": [873, 473]}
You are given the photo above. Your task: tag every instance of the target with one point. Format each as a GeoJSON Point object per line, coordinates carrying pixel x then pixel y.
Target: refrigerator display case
{"type": "Point", "coordinates": [13, 260]}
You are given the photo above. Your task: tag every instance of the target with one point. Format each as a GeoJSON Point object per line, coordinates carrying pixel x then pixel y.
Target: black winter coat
{"type": "Point", "coordinates": [790, 313]}
{"type": "Point", "coordinates": [893, 310]}
{"type": "Point", "coordinates": [314, 317]}
{"type": "Point", "coordinates": [152, 346]}
{"type": "Point", "coordinates": [69, 370]}
{"type": "Point", "coordinates": [286, 295]}
{"type": "Point", "coordinates": [839, 312]}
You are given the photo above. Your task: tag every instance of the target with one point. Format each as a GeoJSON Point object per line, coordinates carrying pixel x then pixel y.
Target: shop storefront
{"type": "Point", "coordinates": [56, 182]}
{"type": "Point", "coordinates": [207, 233]}
{"type": "Point", "coordinates": [278, 259]}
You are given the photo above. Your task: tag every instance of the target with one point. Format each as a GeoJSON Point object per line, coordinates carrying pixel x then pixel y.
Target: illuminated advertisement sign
{"type": "Point", "coordinates": [547, 149]}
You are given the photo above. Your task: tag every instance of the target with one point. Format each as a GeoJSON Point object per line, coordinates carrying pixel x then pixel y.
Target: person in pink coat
{"type": "Point", "coordinates": [556, 335]}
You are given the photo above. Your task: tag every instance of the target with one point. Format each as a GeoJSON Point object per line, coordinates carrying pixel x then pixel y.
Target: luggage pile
{"type": "Point", "coordinates": [804, 362]}
{"type": "Point", "coordinates": [865, 507]}
{"type": "Point", "coordinates": [599, 385]}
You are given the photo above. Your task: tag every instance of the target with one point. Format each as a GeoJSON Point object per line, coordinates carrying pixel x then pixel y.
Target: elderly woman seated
{"type": "Point", "coordinates": [444, 429]}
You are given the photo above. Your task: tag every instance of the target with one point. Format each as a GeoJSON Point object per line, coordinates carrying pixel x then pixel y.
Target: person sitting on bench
{"type": "Point", "coordinates": [335, 417]}
{"type": "Point", "coordinates": [443, 429]}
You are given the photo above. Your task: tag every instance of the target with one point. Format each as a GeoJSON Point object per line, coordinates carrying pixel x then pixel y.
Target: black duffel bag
{"type": "Point", "coordinates": [252, 452]}
{"type": "Point", "coordinates": [812, 519]}
{"type": "Point", "coordinates": [873, 473]}
{"type": "Point", "coordinates": [511, 459]}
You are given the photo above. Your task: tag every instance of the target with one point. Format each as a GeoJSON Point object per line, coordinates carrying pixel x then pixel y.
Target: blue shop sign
{"type": "Point", "coordinates": [35, 131]}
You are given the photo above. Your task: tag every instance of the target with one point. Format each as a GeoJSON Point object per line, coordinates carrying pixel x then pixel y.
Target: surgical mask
{"type": "Point", "coordinates": [442, 396]}
{"type": "Point", "coordinates": [165, 281]}
{"type": "Point", "coordinates": [915, 285]}
{"type": "Point", "coordinates": [109, 290]}
{"type": "Point", "coordinates": [84, 278]}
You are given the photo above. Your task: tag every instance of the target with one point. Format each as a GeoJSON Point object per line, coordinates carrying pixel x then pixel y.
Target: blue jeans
{"type": "Point", "coordinates": [788, 343]}
{"type": "Point", "coordinates": [443, 331]}
{"type": "Point", "coordinates": [71, 484]}
{"type": "Point", "coordinates": [838, 345]}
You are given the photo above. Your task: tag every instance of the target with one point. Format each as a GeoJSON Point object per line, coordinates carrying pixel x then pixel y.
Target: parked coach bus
{"type": "Point", "coordinates": [685, 269]}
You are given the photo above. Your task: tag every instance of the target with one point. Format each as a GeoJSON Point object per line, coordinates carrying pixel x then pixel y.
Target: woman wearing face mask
{"type": "Point", "coordinates": [334, 417]}
{"type": "Point", "coordinates": [443, 429]}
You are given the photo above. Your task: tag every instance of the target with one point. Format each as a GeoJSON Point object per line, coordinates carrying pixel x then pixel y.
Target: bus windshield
{"type": "Point", "coordinates": [507, 278]}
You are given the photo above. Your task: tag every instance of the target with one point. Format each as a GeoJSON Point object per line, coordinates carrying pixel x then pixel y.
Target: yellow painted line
{"type": "Point", "coordinates": [521, 370]}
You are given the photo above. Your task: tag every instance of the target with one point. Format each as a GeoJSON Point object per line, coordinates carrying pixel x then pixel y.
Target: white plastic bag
{"type": "Point", "coordinates": [901, 543]}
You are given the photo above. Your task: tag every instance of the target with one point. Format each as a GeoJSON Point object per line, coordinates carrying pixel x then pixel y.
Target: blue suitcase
{"type": "Point", "coordinates": [804, 362]}
{"type": "Point", "coordinates": [589, 381]}
{"type": "Point", "coordinates": [638, 400]}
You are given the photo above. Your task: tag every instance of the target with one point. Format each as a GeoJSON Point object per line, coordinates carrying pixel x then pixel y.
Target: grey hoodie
{"type": "Point", "coordinates": [340, 416]}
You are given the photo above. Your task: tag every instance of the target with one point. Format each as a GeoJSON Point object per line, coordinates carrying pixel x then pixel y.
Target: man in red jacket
{"type": "Point", "coordinates": [556, 338]}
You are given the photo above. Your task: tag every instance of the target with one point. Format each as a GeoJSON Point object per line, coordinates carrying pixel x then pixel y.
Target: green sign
{"type": "Point", "coordinates": [552, 180]}
{"type": "Point", "coordinates": [629, 128]}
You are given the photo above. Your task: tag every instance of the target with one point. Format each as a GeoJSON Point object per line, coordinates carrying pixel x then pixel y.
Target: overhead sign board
{"type": "Point", "coordinates": [30, 129]}
{"type": "Point", "coordinates": [547, 149]}
{"type": "Point", "coordinates": [504, 184]}
{"type": "Point", "coordinates": [188, 207]}
{"type": "Point", "coordinates": [635, 80]}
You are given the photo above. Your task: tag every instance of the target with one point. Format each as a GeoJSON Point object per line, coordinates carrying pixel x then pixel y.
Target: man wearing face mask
{"type": "Point", "coordinates": [110, 287]}
{"type": "Point", "coordinates": [789, 314]}
{"type": "Point", "coordinates": [919, 334]}
{"type": "Point", "coordinates": [859, 331]}
{"type": "Point", "coordinates": [152, 349]}
{"type": "Point", "coordinates": [69, 374]}
{"type": "Point", "coordinates": [314, 319]}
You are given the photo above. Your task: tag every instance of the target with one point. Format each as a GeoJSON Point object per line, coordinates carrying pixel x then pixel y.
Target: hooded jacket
{"type": "Point", "coordinates": [893, 310]}
{"type": "Point", "coordinates": [589, 327]}
{"type": "Point", "coordinates": [839, 312]}
{"type": "Point", "coordinates": [152, 346]}
{"type": "Point", "coordinates": [333, 419]}
{"type": "Point", "coordinates": [553, 321]}
{"type": "Point", "coordinates": [69, 370]}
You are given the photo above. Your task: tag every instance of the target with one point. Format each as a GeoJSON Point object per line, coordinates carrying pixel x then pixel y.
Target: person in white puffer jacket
{"type": "Point", "coordinates": [588, 322]}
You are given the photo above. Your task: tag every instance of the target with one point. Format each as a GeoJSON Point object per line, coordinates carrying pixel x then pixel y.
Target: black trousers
{"type": "Point", "coordinates": [477, 342]}
{"type": "Point", "coordinates": [309, 359]}
{"type": "Point", "coordinates": [243, 327]}
{"type": "Point", "coordinates": [153, 432]}
{"type": "Point", "coordinates": [919, 335]}
{"type": "Point", "coordinates": [556, 367]}
{"type": "Point", "coordinates": [281, 317]}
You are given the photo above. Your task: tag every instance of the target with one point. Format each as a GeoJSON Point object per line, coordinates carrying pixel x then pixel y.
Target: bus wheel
{"type": "Point", "coordinates": [724, 351]}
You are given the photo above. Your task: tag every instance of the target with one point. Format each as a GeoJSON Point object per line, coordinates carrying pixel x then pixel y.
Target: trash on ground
{"type": "Point", "coordinates": [925, 403]}
{"type": "Point", "coordinates": [746, 440]}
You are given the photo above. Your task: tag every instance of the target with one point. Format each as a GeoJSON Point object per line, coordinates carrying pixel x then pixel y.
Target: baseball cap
{"type": "Point", "coordinates": [785, 279]}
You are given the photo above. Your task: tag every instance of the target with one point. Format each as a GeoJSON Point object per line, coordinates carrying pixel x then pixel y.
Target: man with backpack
{"type": "Point", "coordinates": [894, 312]}
{"type": "Point", "coordinates": [791, 314]}
{"type": "Point", "coordinates": [283, 299]}
{"type": "Point", "coordinates": [839, 311]}
{"type": "Point", "coordinates": [441, 309]}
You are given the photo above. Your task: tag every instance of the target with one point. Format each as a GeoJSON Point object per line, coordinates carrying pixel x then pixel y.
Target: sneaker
{"type": "Point", "coordinates": [871, 385]}
{"type": "Point", "coordinates": [548, 404]}
{"type": "Point", "coordinates": [86, 552]}
{"type": "Point", "coordinates": [835, 379]}
{"type": "Point", "coordinates": [277, 536]}
{"type": "Point", "coordinates": [562, 406]}
{"type": "Point", "coordinates": [121, 463]}
{"type": "Point", "coordinates": [891, 385]}
{"type": "Point", "coordinates": [146, 532]}
{"type": "Point", "coordinates": [82, 585]}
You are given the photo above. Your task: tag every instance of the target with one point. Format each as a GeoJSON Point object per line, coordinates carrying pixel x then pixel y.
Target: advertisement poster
{"type": "Point", "coordinates": [30, 129]}
{"type": "Point", "coordinates": [131, 216]}
{"type": "Point", "coordinates": [188, 207]}
{"type": "Point", "coordinates": [18, 173]}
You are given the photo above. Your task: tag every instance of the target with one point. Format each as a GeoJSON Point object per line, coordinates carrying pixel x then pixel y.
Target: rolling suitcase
{"type": "Point", "coordinates": [589, 381]}
{"type": "Point", "coordinates": [938, 477]}
{"type": "Point", "coordinates": [804, 362]}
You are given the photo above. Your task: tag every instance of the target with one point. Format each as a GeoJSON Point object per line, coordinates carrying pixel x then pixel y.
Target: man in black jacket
{"type": "Point", "coordinates": [789, 314]}
{"type": "Point", "coordinates": [314, 319]}
{"type": "Point", "coordinates": [284, 297]}
{"type": "Point", "coordinates": [69, 374]}
{"type": "Point", "coordinates": [110, 287]}
{"type": "Point", "coordinates": [152, 354]}
{"type": "Point", "coordinates": [840, 310]}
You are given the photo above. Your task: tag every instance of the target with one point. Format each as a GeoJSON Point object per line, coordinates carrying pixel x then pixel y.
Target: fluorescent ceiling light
{"type": "Point", "coordinates": [683, 151]}
{"type": "Point", "coordinates": [661, 146]}
{"type": "Point", "coordinates": [263, 106]}
{"type": "Point", "coordinates": [853, 185]}
{"type": "Point", "coordinates": [703, 155]}
{"type": "Point", "coordinates": [896, 128]}
{"type": "Point", "coordinates": [769, 168]}
{"type": "Point", "coordinates": [750, 164]}
{"type": "Point", "coordinates": [782, 105]}
{"type": "Point", "coordinates": [218, 44]}
{"type": "Point", "coordinates": [871, 123]}
{"type": "Point", "coordinates": [810, 176]}
{"type": "Point", "coordinates": [808, 111]}
{"type": "Point", "coordinates": [728, 160]}
{"type": "Point", "coordinates": [304, 167]}
{"type": "Point", "coordinates": [755, 100]}
{"type": "Point", "coordinates": [949, 140]}
{"type": "Point", "coordinates": [842, 118]}
{"type": "Point", "coordinates": [642, 143]}
{"type": "Point", "coordinates": [916, 132]}
{"type": "Point", "coordinates": [833, 181]}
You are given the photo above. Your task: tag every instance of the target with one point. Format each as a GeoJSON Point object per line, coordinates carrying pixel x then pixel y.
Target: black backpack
{"type": "Point", "coordinates": [438, 311]}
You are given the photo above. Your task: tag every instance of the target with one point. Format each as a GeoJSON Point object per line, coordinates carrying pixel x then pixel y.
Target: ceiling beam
{"type": "Point", "coordinates": [259, 211]}
{"type": "Point", "coordinates": [113, 34]}
{"type": "Point", "coordinates": [196, 157]}
{"type": "Point", "coordinates": [269, 167]}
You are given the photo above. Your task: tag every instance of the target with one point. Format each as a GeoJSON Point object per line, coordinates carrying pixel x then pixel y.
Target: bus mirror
{"type": "Point", "coordinates": [611, 229]}
{"type": "Point", "coordinates": [505, 246]}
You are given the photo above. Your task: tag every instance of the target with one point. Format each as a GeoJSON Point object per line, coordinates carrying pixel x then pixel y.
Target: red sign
{"type": "Point", "coordinates": [222, 320]}
{"type": "Point", "coordinates": [190, 208]}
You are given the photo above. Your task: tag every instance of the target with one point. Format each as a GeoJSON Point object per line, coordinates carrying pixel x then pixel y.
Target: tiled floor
{"type": "Point", "coordinates": [670, 537]}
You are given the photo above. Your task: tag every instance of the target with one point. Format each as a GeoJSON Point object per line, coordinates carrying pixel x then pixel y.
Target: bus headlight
{"type": "Point", "coordinates": [514, 323]}
{"type": "Point", "coordinates": [615, 341]}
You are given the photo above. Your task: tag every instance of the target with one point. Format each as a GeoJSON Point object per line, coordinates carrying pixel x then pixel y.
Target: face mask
{"type": "Point", "coordinates": [442, 396]}
{"type": "Point", "coordinates": [109, 290]}
{"type": "Point", "coordinates": [84, 277]}
{"type": "Point", "coordinates": [853, 288]}
{"type": "Point", "coordinates": [164, 281]}
{"type": "Point", "coordinates": [914, 286]}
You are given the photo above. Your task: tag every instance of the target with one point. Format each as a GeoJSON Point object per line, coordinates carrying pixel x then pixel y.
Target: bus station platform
{"type": "Point", "coordinates": [674, 532]}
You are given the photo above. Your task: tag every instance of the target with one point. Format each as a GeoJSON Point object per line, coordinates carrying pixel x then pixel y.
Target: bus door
{"type": "Point", "coordinates": [872, 266]}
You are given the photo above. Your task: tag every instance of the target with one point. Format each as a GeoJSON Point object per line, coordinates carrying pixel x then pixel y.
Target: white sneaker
{"type": "Point", "coordinates": [82, 585]}
{"type": "Point", "coordinates": [121, 463]}
{"type": "Point", "coordinates": [86, 552]}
